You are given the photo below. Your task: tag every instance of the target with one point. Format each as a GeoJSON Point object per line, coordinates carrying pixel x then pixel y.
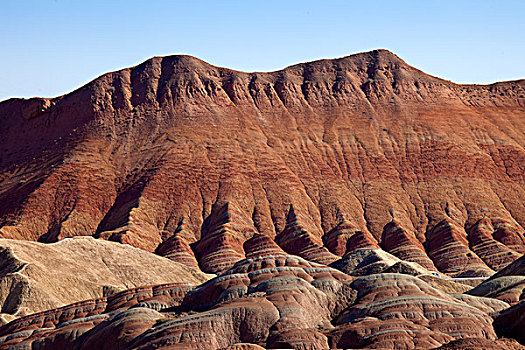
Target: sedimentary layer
{"type": "Point", "coordinates": [176, 156]}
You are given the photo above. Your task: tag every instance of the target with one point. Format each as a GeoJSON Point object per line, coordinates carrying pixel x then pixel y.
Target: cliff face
{"type": "Point", "coordinates": [190, 160]}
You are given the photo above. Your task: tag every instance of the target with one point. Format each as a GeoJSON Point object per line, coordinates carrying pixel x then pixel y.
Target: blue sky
{"type": "Point", "coordinates": [51, 47]}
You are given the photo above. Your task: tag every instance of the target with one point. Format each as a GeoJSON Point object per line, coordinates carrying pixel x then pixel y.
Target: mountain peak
{"type": "Point", "coordinates": [377, 56]}
{"type": "Point", "coordinates": [357, 162]}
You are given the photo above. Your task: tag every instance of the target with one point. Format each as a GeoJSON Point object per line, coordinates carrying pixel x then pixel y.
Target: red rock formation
{"type": "Point", "coordinates": [270, 301]}
{"type": "Point", "coordinates": [346, 237]}
{"type": "Point", "coordinates": [297, 238]}
{"type": "Point", "coordinates": [345, 142]}
{"type": "Point", "coordinates": [62, 337]}
{"type": "Point", "coordinates": [360, 262]}
{"type": "Point", "coordinates": [221, 244]}
{"type": "Point", "coordinates": [516, 268]}
{"type": "Point", "coordinates": [54, 317]}
{"type": "Point", "coordinates": [489, 306]}
{"type": "Point", "coordinates": [510, 289]}
{"type": "Point", "coordinates": [236, 282]}
{"type": "Point", "coordinates": [298, 339]}
{"type": "Point", "coordinates": [476, 343]}
{"type": "Point", "coordinates": [397, 241]}
{"type": "Point", "coordinates": [393, 309]}
{"type": "Point", "coordinates": [237, 321]}
{"type": "Point", "coordinates": [447, 246]}
{"type": "Point", "coordinates": [237, 171]}
{"type": "Point", "coordinates": [261, 245]}
{"type": "Point", "coordinates": [508, 284]}
{"type": "Point", "coordinates": [167, 295]}
{"type": "Point", "coordinates": [176, 247]}
{"type": "Point", "coordinates": [244, 346]}
{"type": "Point", "coordinates": [156, 297]}
{"type": "Point", "coordinates": [507, 235]}
{"type": "Point", "coordinates": [495, 254]}
{"type": "Point", "coordinates": [118, 331]}
{"type": "Point", "coordinates": [360, 240]}
{"type": "Point", "coordinates": [36, 277]}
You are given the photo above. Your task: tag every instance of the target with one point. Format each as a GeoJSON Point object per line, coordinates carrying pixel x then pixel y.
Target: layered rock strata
{"type": "Point", "coordinates": [36, 277]}
{"type": "Point", "coordinates": [270, 301]}
{"type": "Point", "coordinates": [190, 160]}
{"type": "Point", "coordinates": [396, 179]}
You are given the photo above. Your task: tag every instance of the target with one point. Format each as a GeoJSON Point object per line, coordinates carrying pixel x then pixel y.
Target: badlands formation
{"type": "Point", "coordinates": [346, 203]}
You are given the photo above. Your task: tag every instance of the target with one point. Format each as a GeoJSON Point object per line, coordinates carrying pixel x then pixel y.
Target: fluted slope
{"type": "Point", "coordinates": [319, 156]}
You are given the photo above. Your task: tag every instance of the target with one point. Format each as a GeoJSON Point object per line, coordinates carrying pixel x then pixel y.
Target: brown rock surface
{"type": "Point", "coordinates": [261, 245]}
{"type": "Point", "coordinates": [270, 301]}
{"type": "Point", "coordinates": [489, 306]}
{"type": "Point", "coordinates": [176, 246]}
{"type": "Point", "coordinates": [510, 289]}
{"type": "Point", "coordinates": [244, 346]}
{"type": "Point", "coordinates": [346, 236]}
{"type": "Point", "coordinates": [361, 262]}
{"type": "Point", "coordinates": [320, 156]}
{"type": "Point", "coordinates": [274, 301]}
{"type": "Point", "coordinates": [233, 173]}
{"type": "Point", "coordinates": [495, 254]}
{"type": "Point", "coordinates": [396, 309]}
{"type": "Point", "coordinates": [448, 247]}
{"type": "Point", "coordinates": [517, 268]}
{"type": "Point", "coordinates": [475, 343]}
{"type": "Point", "coordinates": [153, 297]}
{"type": "Point", "coordinates": [508, 284]}
{"type": "Point", "coordinates": [447, 286]}
{"type": "Point", "coordinates": [223, 236]}
{"type": "Point", "coordinates": [36, 276]}
{"type": "Point", "coordinates": [397, 241]}
{"type": "Point", "coordinates": [511, 323]}
{"type": "Point", "coordinates": [297, 238]}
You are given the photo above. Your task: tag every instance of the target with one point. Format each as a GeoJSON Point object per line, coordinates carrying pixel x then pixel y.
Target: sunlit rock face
{"type": "Point", "coordinates": [507, 285]}
{"type": "Point", "coordinates": [36, 277]}
{"type": "Point", "coordinates": [329, 202]}
{"type": "Point", "coordinates": [190, 160]}
{"type": "Point", "coordinates": [393, 308]}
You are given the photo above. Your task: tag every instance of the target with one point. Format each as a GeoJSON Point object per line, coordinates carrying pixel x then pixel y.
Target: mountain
{"type": "Point", "coordinates": [331, 162]}
{"type": "Point", "coordinates": [176, 146]}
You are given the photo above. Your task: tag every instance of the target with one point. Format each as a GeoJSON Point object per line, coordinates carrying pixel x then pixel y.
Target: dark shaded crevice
{"type": "Point", "coordinates": [118, 214]}
{"type": "Point", "coordinates": [228, 87]}
{"type": "Point", "coordinates": [252, 89]}
{"type": "Point", "coordinates": [280, 89]}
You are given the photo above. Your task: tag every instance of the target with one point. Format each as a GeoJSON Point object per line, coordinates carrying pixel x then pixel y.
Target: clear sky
{"type": "Point", "coordinates": [51, 47]}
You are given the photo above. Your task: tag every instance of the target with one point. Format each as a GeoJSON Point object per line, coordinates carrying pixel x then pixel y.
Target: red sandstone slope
{"type": "Point", "coordinates": [190, 160]}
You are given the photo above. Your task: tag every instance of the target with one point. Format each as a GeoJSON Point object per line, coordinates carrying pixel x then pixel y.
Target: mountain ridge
{"type": "Point", "coordinates": [384, 52]}
{"type": "Point", "coordinates": [338, 204]}
{"type": "Point", "coordinates": [357, 142]}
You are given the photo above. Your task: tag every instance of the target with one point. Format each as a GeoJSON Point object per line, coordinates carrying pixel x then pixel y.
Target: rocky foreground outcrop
{"type": "Point", "coordinates": [36, 277]}
{"type": "Point", "coordinates": [507, 285]}
{"type": "Point", "coordinates": [271, 301]}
